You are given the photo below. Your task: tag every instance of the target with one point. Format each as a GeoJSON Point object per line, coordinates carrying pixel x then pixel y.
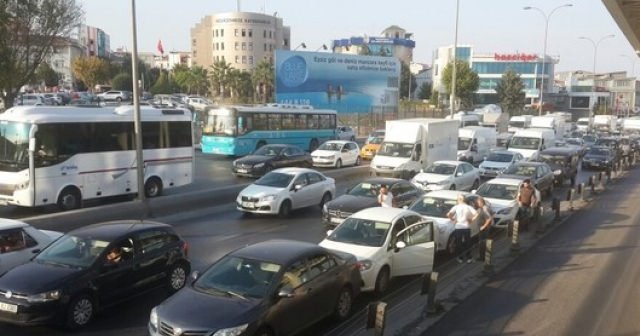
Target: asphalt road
{"type": "Point", "coordinates": [580, 280]}
{"type": "Point", "coordinates": [213, 232]}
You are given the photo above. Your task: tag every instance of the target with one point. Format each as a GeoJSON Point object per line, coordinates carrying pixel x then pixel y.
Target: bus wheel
{"type": "Point", "coordinates": [260, 144]}
{"type": "Point", "coordinates": [69, 199]}
{"type": "Point", "coordinates": [313, 145]}
{"type": "Point", "coordinates": [153, 187]}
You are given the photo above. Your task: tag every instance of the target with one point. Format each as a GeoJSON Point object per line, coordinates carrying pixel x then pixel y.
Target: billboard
{"type": "Point", "coordinates": [346, 83]}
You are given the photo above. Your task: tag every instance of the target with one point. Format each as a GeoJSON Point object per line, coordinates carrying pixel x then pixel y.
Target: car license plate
{"type": "Point", "coordinates": [243, 171]}
{"type": "Point", "coordinates": [8, 307]}
{"type": "Point", "coordinates": [248, 205]}
{"type": "Point", "coordinates": [336, 220]}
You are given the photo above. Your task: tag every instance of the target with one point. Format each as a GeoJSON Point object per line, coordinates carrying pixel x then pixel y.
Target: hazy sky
{"type": "Point", "coordinates": [487, 25]}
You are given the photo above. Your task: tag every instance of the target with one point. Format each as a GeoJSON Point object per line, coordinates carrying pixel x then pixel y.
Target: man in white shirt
{"type": "Point", "coordinates": [385, 198]}
{"type": "Point", "coordinates": [461, 215]}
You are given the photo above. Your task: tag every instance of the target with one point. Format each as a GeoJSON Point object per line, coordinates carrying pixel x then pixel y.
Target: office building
{"type": "Point", "coordinates": [394, 42]}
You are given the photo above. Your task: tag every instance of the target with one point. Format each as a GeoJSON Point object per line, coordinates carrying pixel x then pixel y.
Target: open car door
{"type": "Point", "coordinates": [415, 250]}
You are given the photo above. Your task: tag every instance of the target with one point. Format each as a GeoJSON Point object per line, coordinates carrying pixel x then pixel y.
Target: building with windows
{"type": "Point", "coordinates": [491, 66]}
{"type": "Point", "coordinates": [241, 39]}
{"type": "Point", "coordinates": [394, 42]}
{"type": "Point", "coordinates": [94, 41]}
{"type": "Point", "coordinates": [64, 53]}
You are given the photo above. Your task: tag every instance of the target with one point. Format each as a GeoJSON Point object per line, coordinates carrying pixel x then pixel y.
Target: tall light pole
{"type": "Point", "coordinates": [547, 17]}
{"type": "Point", "coordinates": [633, 64]}
{"type": "Point", "coordinates": [452, 98]}
{"type": "Point", "coordinates": [136, 105]}
{"type": "Point", "coordinates": [595, 58]}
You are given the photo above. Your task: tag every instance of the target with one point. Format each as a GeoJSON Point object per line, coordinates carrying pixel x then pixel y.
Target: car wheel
{"type": "Point", "coordinates": [357, 161]}
{"type": "Point", "coordinates": [382, 280]}
{"type": "Point", "coordinates": [453, 187]}
{"type": "Point", "coordinates": [313, 145]}
{"type": "Point", "coordinates": [325, 199]}
{"type": "Point", "coordinates": [177, 277]}
{"type": "Point", "coordinates": [118, 99]}
{"type": "Point", "coordinates": [80, 312]}
{"type": "Point", "coordinates": [69, 199]}
{"type": "Point", "coordinates": [452, 245]}
{"type": "Point", "coordinates": [285, 209]}
{"type": "Point", "coordinates": [153, 187]}
{"type": "Point", "coordinates": [339, 163]}
{"type": "Point", "coordinates": [344, 304]}
{"type": "Point", "coordinates": [475, 185]}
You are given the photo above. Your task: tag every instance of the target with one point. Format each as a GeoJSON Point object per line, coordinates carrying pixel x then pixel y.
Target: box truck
{"type": "Point", "coordinates": [412, 144]}
{"type": "Point", "coordinates": [631, 125]}
{"type": "Point", "coordinates": [475, 143]}
{"type": "Point", "coordinates": [583, 124]}
{"type": "Point", "coordinates": [550, 121]}
{"type": "Point", "coordinates": [605, 123]}
{"type": "Point", "coordinates": [517, 123]}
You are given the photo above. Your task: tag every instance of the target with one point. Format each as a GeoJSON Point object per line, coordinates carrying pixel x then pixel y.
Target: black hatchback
{"type": "Point", "coordinates": [269, 157]}
{"type": "Point", "coordinates": [92, 268]}
{"type": "Point", "coordinates": [277, 287]}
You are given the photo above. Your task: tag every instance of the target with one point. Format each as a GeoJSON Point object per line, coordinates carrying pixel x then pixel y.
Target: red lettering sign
{"type": "Point", "coordinates": [515, 57]}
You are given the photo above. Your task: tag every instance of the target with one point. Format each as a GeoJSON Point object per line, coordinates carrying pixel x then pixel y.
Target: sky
{"type": "Point", "coordinates": [489, 26]}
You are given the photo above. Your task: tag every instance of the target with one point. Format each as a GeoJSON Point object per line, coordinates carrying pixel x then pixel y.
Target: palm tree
{"type": "Point", "coordinates": [198, 80]}
{"type": "Point", "coordinates": [262, 78]}
{"type": "Point", "coordinates": [219, 77]}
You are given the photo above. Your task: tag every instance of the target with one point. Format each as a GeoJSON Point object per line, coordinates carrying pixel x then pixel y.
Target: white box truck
{"type": "Point", "coordinates": [631, 125]}
{"type": "Point", "coordinates": [605, 123]}
{"type": "Point", "coordinates": [583, 124]}
{"type": "Point", "coordinates": [475, 143]}
{"type": "Point", "coordinates": [412, 144]}
{"type": "Point", "coordinates": [532, 141]}
{"type": "Point", "coordinates": [517, 123]}
{"type": "Point", "coordinates": [550, 121]}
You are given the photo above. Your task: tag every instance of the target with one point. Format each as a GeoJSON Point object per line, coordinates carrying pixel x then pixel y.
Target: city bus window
{"type": "Point", "coordinates": [288, 122]}
{"type": "Point", "coordinates": [274, 122]}
{"type": "Point", "coordinates": [300, 121]}
{"type": "Point", "coordinates": [312, 121]}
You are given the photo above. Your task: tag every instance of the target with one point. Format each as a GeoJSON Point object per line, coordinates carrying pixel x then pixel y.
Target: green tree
{"type": "Point", "coordinates": [45, 74]}
{"type": "Point", "coordinates": [91, 70]}
{"type": "Point", "coordinates": [467, 82]}
{"type": "Point", "coordinates": [405, 77]}
{"type": "Point", "coordinates": [28, 31]}
{"type": "Point", "coordinates": [435, 98]}
{"type": "Point", "coordinates": [162, 85]}
{"type": "Point", "coordinates": [240, 85]}
{"type": "Point", "coordinates": [511, 92]}
{"type": "Point", "coordinates": [424, 92]}
{"type": "Point", "coordinates": [194, 80]}
{"type": "Point", "coordinates": [219, 78]}
{"type": "Point", "coordinates": [262, 78]}
{"type": "Point", "coordinates": [122, 81]}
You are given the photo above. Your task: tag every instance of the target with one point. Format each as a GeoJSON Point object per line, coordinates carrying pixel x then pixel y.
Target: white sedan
{"type": "Point", "coordinates": [497, 162]}
{"type": "Point", "coordinates": [501, 195]}
{"type": "Point", "coordinates": [20, 241]}
{"type": "Point", "coordinates": [452, 175]}
{"type": "Point", "coordinates": [388, 242]}
{"type": "Point", "coordinates": [282, 190]}
{"type": "Point", "coordinates": [336, 153]}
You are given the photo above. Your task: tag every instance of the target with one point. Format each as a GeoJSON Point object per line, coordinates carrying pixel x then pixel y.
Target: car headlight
{"type": "Point", "coordinates": [259, 165]}
{"type": "Point", "coordinates": [557, 172]}
{"type": "Point", "coordinates": [443, 182]}
{"type": "Point", "coordinates": [330, 157]}
{"type": "Point", "coordinates": [268, 198]}
{"type": "Point", "coordinates": [153, 318]}
{"type": "Point", "coordinates": [364, 265]}
{"type": "Point", "coordinates": [44, 297]}
{"type": "Point", "coordinates": [235, 331]}
{"type": "Point", "coordinates": [504, 211]}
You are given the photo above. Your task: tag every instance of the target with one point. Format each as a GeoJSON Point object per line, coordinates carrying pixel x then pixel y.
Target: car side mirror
{"type": "Point", "coordinates": [298, 187]}
{"type": "Point", "coordinates": [329, 232]}
{"type": "Point", "coordinates": [400, 245]}
{"type": "Point", "coordinates": [195, 275]}
{"type": "Point", "coordinates": [35, 251]}
{"type": "Point", "coordinates": [474, 191]}
{"type": "Point", "coordinates": [285, 293]}
{"type": "Point", "coordinates": [474, 148]}
{"type": "Point", "coordinates": [458, 174]}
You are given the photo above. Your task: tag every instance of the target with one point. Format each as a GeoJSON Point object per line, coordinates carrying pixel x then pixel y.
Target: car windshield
{"type": "Point", "coordinates": [361, 232]}
{"type": "Point", "coordinates": [72, 251]}
{"type": "Point", "coordinates": [583, 122]}
{"type": "Point", "coordinates": [274, 179]}
{"type": "Point", "coordinates": [521, 170]}
{"type": "Point", "coordinates": [441, 169]}
{"type": "Point", "coordinates": [331, 146]}
{"type": "Point", "coordinates": [524, 142]}
{"type": "Point", "coordinates": [366, 189]}
{"type": "Point", "coordinates": [500, 157]}
{"type": "Point", "coordinates": [268, 151]}
{"type": "Point", "coordinates": [499, 191]}
{"type": "Point", "coordinates": [14, 146]}
{"type": "Point", "coordinates": [553, 159]}
{"type": "Point", "coordinates": [220, 122]}
{"type": "Point", "coordinates": [598, 152]}
{"type": "Point", "coordinates": [395, 149]}
{"type": "Point", "coordinates": [517, 124]}
{"type": "Point", "coordinates": [238, 277]}
{"type": "Point", "coordinates": [433, 206]}
{"type": "Point", "coordinates": [375, 141]}
{"type": "Point", "coordinates": [464, 143]}
{"type": "Point", "coordinates": [589, 138]}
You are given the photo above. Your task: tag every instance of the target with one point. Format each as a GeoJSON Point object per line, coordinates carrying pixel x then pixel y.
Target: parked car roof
{"type": "Point", "coordinates": [382, 214]}
{"type": "Point", "coordinates": [110, 231]}
{"type": "Point", "coordinates": [6, 224]}
{"type": "Point", "coordinates": [560, 151]}
{"type": "Point", "coordinates": [278, 251]}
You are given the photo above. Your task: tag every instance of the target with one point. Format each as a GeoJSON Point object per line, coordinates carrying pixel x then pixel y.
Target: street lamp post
{"type": "Point", "coordinates": [323, 47]}
{"type": "Point", "coordinates": [595, 57]}
{"type": "Point", "coordinates": [304, 46]}
{"type": "Point", "coordinates": [547, 17]}
{"type": "Point", "coordinates": [136, 105]}
{"type": "Point", "coordinates": [452, 98]}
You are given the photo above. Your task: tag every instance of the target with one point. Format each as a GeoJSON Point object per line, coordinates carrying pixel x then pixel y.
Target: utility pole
{"type": "Point", "coordinates": [452, 98]}
{"type": "Point", "coordinates": [136, 105]}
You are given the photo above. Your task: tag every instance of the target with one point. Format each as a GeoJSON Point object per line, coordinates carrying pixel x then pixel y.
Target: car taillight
{"type": "Point", "coordinates": [185, 248]}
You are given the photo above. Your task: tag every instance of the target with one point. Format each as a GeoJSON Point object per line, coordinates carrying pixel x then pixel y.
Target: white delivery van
{"type": "Point", "coordinates": [631, 125]}
{"type": "Point", "coordinates": [475, 143]}
{"type": "Point", "coordinates": [532, 141]}
{"type": "Point", "coordinates": [499, 122]}
{"type": "Point", "coordinates": [466, 119]}
{"type": "Point", "coordinates": [605, 123]}
{"type": "Point", "coordinates": [517, 123]}
{"type": "Point", "coordinates": [412, 144]}
{"type": "Point", "coordinates": [550, 121]}
{"type": "Point", "coordinates": [582, 124]}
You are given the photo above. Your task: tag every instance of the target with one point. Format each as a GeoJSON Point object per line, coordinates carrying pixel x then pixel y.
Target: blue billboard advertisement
{"type": "Point", "coordinates": [346, 83]}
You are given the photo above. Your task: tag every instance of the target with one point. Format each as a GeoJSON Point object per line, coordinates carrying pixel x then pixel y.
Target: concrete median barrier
{"type": "Point", "coordinates": [161, 206]}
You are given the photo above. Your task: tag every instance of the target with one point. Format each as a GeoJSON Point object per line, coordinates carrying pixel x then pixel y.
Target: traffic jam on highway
{"type": "Point", "coordinates": [434, 187]}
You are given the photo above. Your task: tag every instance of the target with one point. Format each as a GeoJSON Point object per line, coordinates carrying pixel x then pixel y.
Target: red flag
{"type": "Point", "coordinates": [160, 48]}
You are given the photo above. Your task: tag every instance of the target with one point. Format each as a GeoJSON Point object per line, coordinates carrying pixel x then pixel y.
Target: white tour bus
{"type": "Point", "coordinates": [64, 155]}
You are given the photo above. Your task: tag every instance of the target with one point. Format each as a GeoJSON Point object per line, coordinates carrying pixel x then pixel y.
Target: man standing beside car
{"type": "Point", "coordinates": [461, 215]}
{"type": "Point", "coordinates": [385, 198]}
{"type": "Point", "coordinates": [484, 219]}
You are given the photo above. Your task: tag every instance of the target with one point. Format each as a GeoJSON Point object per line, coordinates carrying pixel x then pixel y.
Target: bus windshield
{"type": "Point", "coordinates": [221, 123]}
{"type": "Point", "coordinates": [14, 148]}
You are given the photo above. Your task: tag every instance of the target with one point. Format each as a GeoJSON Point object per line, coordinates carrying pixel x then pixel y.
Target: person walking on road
{"type": "Point", "coordinates": [461, 215]}
{"type": "Point", "coordinates": [484, 219]}
{"type": "Point", "coordinates": [385, 198]}
{"type": "Point", "coordinates": [526, 201]}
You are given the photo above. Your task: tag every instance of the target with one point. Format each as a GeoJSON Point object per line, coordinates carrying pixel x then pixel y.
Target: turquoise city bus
{"type": "Point", "coordinates": [240, 130]}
